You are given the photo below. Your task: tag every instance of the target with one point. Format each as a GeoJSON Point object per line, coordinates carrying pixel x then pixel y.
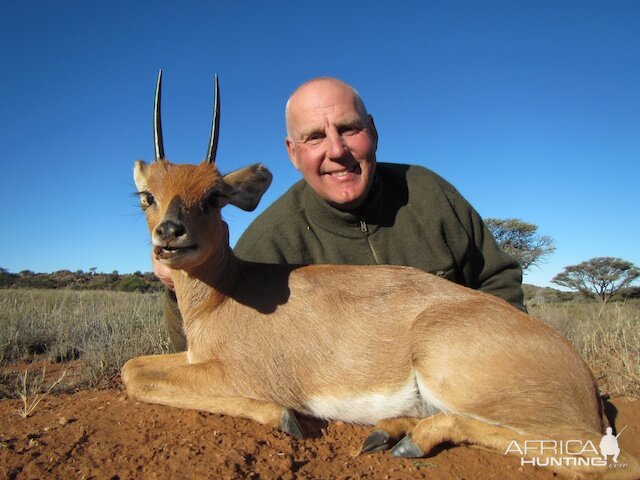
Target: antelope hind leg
{"type": "Point", "coordinates": [433, 431]}
{"type": "Point", "coordinates": [170, 380]}
{"type": "Point", "coordinates": [387, 432]}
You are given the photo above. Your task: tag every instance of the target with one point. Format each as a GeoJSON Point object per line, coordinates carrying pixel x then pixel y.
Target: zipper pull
{"type": "Point", "coordinates": [363, 226]}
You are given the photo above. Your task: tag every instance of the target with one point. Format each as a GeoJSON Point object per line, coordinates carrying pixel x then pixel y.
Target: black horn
{"type": "Point", "coordinates": [157, 121]}
{"type": "Point", "coordinates": [215, 125]}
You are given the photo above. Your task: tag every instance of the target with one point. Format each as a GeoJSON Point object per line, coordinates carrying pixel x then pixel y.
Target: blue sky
{"type": "Point", "coordinates": [530, 108]}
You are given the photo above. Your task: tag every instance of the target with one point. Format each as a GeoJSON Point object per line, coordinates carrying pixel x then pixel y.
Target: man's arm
{"type": "Point", "coordinates": [501, 274]}
{"type": "Point", "coordinates": [488, 267]}
{"type": "Point", "coordinates": [449, 218]}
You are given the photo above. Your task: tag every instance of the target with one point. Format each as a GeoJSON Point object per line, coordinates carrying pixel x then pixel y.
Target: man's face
{"type": "Point", "coordinates": [332, 142]}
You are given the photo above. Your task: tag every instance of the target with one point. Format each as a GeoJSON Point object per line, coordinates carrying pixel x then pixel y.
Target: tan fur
{"type": "Point", "coordinates": [375, 344]}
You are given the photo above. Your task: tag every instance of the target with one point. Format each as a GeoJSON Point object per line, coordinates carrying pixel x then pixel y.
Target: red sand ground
{"type": "Point", "coordinates": [101, 434]}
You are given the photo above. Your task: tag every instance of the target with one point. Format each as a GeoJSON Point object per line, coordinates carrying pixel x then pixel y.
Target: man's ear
{"type": "Point", "coordinates": [373, 130]}
{"type": "Point", "coordinates": [244, 188]}
{"type": "Point", "coordinates": [291, 150]}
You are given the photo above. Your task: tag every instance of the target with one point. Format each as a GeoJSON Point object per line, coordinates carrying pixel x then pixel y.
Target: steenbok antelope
{"type": "Point", "coordinates": [424, 360]}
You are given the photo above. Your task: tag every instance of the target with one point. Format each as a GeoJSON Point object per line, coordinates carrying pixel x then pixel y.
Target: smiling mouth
{"type": "Point", "coordinates": [343, 173]}
{"type": "Point", "coordinates": [168, 251]}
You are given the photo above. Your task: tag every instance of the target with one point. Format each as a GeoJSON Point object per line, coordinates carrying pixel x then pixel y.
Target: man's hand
{"type": "Point", "coordinates": [162, 272]}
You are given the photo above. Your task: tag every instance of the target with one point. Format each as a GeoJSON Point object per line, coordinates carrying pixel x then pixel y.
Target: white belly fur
{"type": "Point", "coordinates": [371, 407]}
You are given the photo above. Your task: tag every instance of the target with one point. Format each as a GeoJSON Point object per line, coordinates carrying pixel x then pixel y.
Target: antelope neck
{"type": "Point", "coordinates": [208, 285]}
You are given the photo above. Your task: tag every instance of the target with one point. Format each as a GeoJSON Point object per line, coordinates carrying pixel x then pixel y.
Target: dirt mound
{"type": "Point", "coordinates": [104, 435]}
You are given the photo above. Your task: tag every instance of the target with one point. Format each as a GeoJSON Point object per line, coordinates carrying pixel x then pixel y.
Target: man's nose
{"type": "Point", "coordinates": [336, 147]}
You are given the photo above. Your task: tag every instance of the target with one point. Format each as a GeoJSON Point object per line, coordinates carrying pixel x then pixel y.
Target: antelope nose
{"type": "Point", "coordinates": [169, 230]}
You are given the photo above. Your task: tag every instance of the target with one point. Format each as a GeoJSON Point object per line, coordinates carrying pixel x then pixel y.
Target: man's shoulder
{"type": "Point", "coordinates": [285, 208]}
{"type": "Point", "coordinates": [418, 179]}
{"type": "Point", "coordinates": [408, 171]}
{"type": "Point", "coordinates": [277, 231]}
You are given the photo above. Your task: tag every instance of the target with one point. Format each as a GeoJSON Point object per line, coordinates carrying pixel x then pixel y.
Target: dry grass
{"type": "Point", "coordinates": [607, 336]}
{"type": "Point", "coordinates": [101, 330]}
{"type": "Point", "coordinates": [98, 330]}
{"type": "Point", "coordinates": [31, 390]}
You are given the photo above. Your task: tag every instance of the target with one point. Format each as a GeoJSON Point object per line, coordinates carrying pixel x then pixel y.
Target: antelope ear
{"type": "Point", "coordinates": [140, 172]}
{"type": "Point", "coordinates": [244, 188]}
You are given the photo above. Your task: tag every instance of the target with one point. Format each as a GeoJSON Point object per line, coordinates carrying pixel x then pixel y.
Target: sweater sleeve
{"type": "Point", "coordinates": [487, 267]}
{"type": "Point", "coordinates": [500, 274]}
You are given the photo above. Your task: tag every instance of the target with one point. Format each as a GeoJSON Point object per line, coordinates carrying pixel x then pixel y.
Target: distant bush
{"type": "Point", "coordinates": [66, 279]}
{"type": "Point", "coordinates": [133, 284]}
{"type": "Point", "coordinates": [6, 278]}
{"type": "Point", "coordinates": [534, 295]}
{"type": "Point", "coordinates": [36, 281]}
{"type": "Point", "coordinates": [629, 293]}
{"type": "Point", "coordinates": [541, 295]}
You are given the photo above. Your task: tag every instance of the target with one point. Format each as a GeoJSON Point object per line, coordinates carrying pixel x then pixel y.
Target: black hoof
{"type": "Point", "coordinates": [289, 424]}
{"type": "Point", "coordinates": [407, 449]}
{"type": "Point", "coordinates": [377, 441]}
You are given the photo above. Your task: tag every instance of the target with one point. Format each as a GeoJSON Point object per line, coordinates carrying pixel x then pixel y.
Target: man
{"type": "Point", "coordinates": [348, 209]}
{"type": "Point", "coordinates": [609, 445]}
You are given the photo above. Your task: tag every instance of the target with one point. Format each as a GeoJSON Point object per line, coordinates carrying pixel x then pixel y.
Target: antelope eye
{"type": "Point", "coordinates": [146, 199]}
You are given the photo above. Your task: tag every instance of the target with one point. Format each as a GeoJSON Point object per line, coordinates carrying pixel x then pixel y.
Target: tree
{"type": "Point", "coordinates": [521, 240]}
{"type": "Point", "coordinates": [604, 276]}
{"type": "Point", "coordinates": [7, 278]}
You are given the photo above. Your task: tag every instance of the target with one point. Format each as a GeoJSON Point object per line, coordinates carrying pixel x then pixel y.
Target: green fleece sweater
{"type": "Point", "coordinates": [413, 217]}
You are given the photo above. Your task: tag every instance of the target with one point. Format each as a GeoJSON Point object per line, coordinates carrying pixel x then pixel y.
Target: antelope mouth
{"type": "Point", "coordinates": [168, 251]}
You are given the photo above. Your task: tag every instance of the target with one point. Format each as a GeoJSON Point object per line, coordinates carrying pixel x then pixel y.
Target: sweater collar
{"type": "Point", "coordinates": [344, 224]}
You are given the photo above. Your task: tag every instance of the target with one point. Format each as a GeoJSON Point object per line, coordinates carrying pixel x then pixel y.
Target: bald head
{"type": "Point", "coordinates": [332, 141]}
{"type": "Point", "coordinates": [315, 91]}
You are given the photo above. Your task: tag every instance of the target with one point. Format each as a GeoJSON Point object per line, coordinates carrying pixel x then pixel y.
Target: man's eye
{"type": "Point", "coordinates": [314, 138]}
{"type": "Point", "coordinates": [352, 130]}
